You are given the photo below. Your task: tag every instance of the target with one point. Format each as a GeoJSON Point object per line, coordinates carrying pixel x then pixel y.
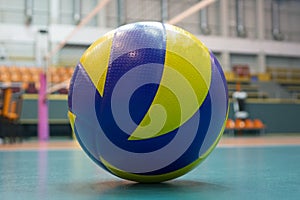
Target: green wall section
{"type": "Point", "coordinates": [57, 112]}
{"type": "Point", "coordinates": [279, 117]}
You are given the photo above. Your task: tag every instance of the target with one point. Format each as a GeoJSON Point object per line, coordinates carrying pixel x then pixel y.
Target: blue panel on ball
{"type": "Point", "coordinates": [82, 87]}
{"type": "Point", "coordinates": [71, 88]}
{"type": "Point", "coordinates": [138, 36]}
{"type": "Point", "coordinates": [91, 154]}
{"type": "Point", "coordinates": [140, 101]}
{"type": "Point", "coordinates": [219, 99]}
{"type": "Point", "coordinates": [141, 46]}
{"type": "Point", "coordinates": [135, 45]}
{"type": "Point", "coordinates": [149, 70]}
{"type": "Point", "coordinates": [147, 58]}
{"type": "Point", "coordinates": [216, 64]}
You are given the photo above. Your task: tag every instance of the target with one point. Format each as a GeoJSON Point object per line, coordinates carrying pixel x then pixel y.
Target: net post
{"type": "Point", "coordinates": [41, 50]}
{"type": "Point", "coordinates": [43, 125]}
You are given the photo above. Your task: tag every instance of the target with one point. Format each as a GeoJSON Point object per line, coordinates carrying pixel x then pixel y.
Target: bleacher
{"type": "Point", "coordinates": [18, 98]}
{"type": "Point", "coordinates": [283, 83]}
{"type": "Point", "coordinates": [29, 77]}
{"type": "Point", "coordinates": [241, 77]}
{"type": "Point", "coordinates": [288, 78]}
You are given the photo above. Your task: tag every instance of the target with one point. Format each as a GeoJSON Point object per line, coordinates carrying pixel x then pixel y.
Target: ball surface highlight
{"type": "Point", "coordinates": [148, 102]}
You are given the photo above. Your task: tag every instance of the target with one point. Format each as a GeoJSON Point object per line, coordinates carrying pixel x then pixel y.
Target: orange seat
{"type": "Point", "coordinates": [26, 77]}
{"type": "Point", "coordinates": [10, 115]}
{"type": "Point", "coordinates": [249, 124]}
{"type": "Point", "coordinates": [61, 70]}
{"type": "Point", "coordinates": [239, 124]}
{"type": "Point", "coordinates": [16, 77]}
{"type": "Point", "coordinates": [5, 77]}
{"type": "Point", "coordinates": [10, 106]}
{"type": "Point", "coordinates": [35, 77]}
{"type": "Point", "coordinates": [55, 78]}
{"type": "Point", "coordinates": [258, 124]}
{"type": "Point", "coordinates": [230, 124]}
{"type": "Point", "coordinates": [13, 111]}
{"type": "Point", "coordinates": [7, 95]}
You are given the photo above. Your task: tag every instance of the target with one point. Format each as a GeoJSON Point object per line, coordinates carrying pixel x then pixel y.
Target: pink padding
{"type": "Point", "coordinates": [43, 126]}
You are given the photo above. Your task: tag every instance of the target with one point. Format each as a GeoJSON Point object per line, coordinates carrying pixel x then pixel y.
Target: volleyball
{"type": "Point", "coordinates": [148, 102]}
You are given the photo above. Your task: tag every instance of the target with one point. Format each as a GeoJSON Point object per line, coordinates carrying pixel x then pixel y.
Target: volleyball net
{"type": "Point", "coordinates": [193, 7]}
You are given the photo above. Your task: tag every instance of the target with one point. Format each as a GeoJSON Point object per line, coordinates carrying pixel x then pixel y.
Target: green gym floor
{"type": "Point", "coordinates": [239, 168]}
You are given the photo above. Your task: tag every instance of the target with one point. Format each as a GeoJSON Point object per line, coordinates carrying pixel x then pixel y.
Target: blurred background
{"type": "Point", "coordinates": [257, 43]}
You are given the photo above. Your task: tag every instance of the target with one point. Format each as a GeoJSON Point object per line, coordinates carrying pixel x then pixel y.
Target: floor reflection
{"type": "Point", "coordinates": [185, 189]}
{"type": "Point", "coordinates": [42, 163]}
